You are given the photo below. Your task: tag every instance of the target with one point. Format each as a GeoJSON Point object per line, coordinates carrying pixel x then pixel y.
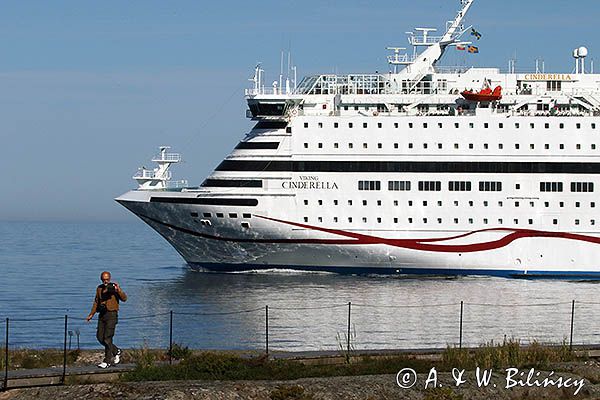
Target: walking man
{"type": "Point", "coordinates": [106, 304]}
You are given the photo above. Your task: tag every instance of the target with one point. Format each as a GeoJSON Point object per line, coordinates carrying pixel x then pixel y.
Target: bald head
{"type": "Point", "coordinates": [105, 276]}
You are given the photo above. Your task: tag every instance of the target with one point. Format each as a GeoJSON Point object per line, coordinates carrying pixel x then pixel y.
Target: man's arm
{"type": "Point", "coordinates": [120, 292]}
{"type": "Point", "coordinates": [94, 307]}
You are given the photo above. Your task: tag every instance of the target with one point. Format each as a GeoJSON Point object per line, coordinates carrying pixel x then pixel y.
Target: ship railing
{"type": "Point", "coordinates": [180, 184]}
{"type": "Point", "coordinates": [420, 40]}
{"type": "Point", "coordinates": [145, 174]}
{"type": "Point", "coordinates": [171, 157]}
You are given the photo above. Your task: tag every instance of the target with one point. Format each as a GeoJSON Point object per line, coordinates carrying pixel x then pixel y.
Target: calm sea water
{"type": "Point", "coordinates": [52, 269]}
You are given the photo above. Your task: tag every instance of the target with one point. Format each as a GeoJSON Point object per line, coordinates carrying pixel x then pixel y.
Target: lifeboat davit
{"type": "Point", "coordinates": [485, 94]}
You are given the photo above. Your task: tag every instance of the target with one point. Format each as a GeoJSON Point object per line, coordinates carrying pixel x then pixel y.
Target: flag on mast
{"type": "Point", "coordinates": [460, 47]}
{"type": "Point", "coordinates": [475, 33]}
{"type": "Point", "coordinates": [473, 49]}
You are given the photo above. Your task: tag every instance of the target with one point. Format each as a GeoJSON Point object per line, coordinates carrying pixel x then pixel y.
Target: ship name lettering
{"type": "Point", "coordinates": [548, 77]}
{"type": "Point", "coordinates": [309, 185]}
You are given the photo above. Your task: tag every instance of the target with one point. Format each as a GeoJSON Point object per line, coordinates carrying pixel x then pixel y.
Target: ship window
{"type": "Point", "coordinates": [355, 108]}
{"type": "Point", "coordinates": [470, 145]}
{"type": "Point", "coordinates": [517, 125]}
{"type": "Point", "coordinates": [257, 145]}
{"type": "Point", "coordinates": [410, 145]}
{"type": "Point", "coordinates": [305, 202]}
{"type": "Point", "coordinates": [516, 221]}
{"type": "Point", "coordinates": [305, 219]}
{"type": "Point", "coordinates": [585, 187]}
{"type": "Point", "coordinates": [335, 219]}
{"type": "Point", "coordinates": [364, 146]}
{"type": "Point", "coordinates": [345, 108]}
{"type": "Point", "coordinates": [207, 215]}
{"type": "Point", "coordinates": [459, 186]}
{"type": "Point", "coordinates": [439, 203]}
{"type": "Point", "coordinates": [364, 124]}
{"type": "Point", "coordinates": [364, 202]}
{"type": "Point", "coordinates": [350, 219]}
{"type": "Point", "coordinates": [410, 124]}
{"type": "Point", "coordinates": [487, 186]}
{"type": "Point", "coordinates": [456, 203]}
{"type": "Point", "coordinates": [561, 125]}
{"type": "Point", "coordinates": [424, 145]}
{"type": "Point", "coordinates": [320, 202]}
{"type": "Point", "coordinates": [501, 125]}
{"type": "Point", "coordinates": [500, 204]}
{"type": "Point", "coordinates": [424, 124]}
{"type": "Point", "coordinates": [410, 203]}
{"type": "Point", "coordinates": [288, 129]}
{"type": "Point", "coordinates": [486, 125]}
{"type": "Point", "coordinates": [379, 125]}
{"type": "Point", "coordinates": [456, 145]}
{"type": "Point", "coordinates": [395, 220]}
{"type": "Point", "coordinates": [551, 187]}
{"type": "Point", "coordinates": [306, 145]}
{"type": "Point", "coordinates": [439, 145]}
{"type": "Point", "coordinates": [379, 145]}
{"type": "Point", "coordinates": [517, 146]}
{"type": "Point", "coordinates": [554, 221]}
{"type": "Point", "coordinates": [593, 126]}
{"type": "Point", "coordinates": [396, 202]}
{"type": "Point", "coordinates": [395, 145]}
{"type": "Point", "coordinates": [350, 125]}
{"type": "Point", "coordinates": [577, 204]}
{"type": "Point", "coordinates": [470, 203]}
{"type": "Point", "coordinates": [500, 146]}
{"type": "Point", "coordinates": [335, 202]}
{"type": "Point", "coordinates": [430, 186]}
{"type": "Point", "coordinates": [349, 202]}
{"type": "Point", "coordinates": [561, 146]}
{"type": "Point", "coordinates": [485, 203]}
{"type": "Point", "coordinates": [456, 220]}
{"type": "Point", "coordinates": [410, 220]}
{"type": "Point", "coordinates": [578, 125]}
{"type": "Point", "coordinates": [378, 220]}
{"type": "Point", "coordinates": [546, 146]}
{"type": "Point", "coordinates": [485, 221]}
{"type": "Point", "coordinates": [516, 204]}
{"type": "Point", "coordinates": [369, 185]}
{"type": "Point", "coordinates": [593, 146]}
{"type": "Point", "coordinates": [395, 125]}
{"type": "Point", "coordinates": [530, 221]}
{"type": "Point", "coordinates": [424, 220]}
{"type": "Point", "coordinates": [320, 145]}
{"type": "Point", "coordinates": [424, 203]}
{"type": "Point", "coordinates": [306, 124]}
{"type": "Point", "coordinates": [440, 125]}
{"type": "Point", "coordinates": [194, 214]}
{"type": "Point", "coordinates": [471, 125]}
{"type": "Point", "coordinates": [336, 125]}
{"type": "Point", "coordinates": [220, 215]}
{"type": "Point", "coordinates": [320, 124]}
{"type": "Point", "coordinates": [320, 219]}
{"type": "Point", "coordinates": [500, 221]}
{"type": "Point", "coordinates": [246, 215]}
{"type": "Point", "coordinates": [485, 146]}
{"type": "Point", "coordinates": [561, 204]}
{"type": "Point", "coordinates": [532, 125]}
{"type": "Point", "coordinates": [546, 204]}
{"type": "Point", "coordinates": [547, 125]}
{"type": "Point", "coordinates": [592, 204]}
{"type": "Point", "coordinates": [532, 204]}
{"type": "Point", "coordinates": [470, 220]}
{"type": "Point", "coordinates": [378, 202]}
{"type": "Point", "coordinates": [399, 185]}
{"type": "Point", "coordinates": [232, 215]}
{"type": "Point", "coordinates": [456, 125]}
{"type": "Point", "coordinates": [576, 222]}
{"type": "Point", "coordinates": [336, 145]}
{"type": "Point", "coordinates": [350, 145]}
{"type": "Point", "coordinates": [532, 146]}
{"type": "Point", "coordinates": [592, 222]}
{"type": "Point", "coordinates": [578, 146]}
{"type": "Point", "coordinates": [517, 186]}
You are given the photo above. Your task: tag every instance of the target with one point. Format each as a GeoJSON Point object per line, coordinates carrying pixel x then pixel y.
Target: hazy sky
{"type": "Point", "coordinates": [89, 90]}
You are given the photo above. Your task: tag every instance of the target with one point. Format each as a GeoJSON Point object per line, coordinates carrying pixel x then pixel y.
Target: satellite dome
{"type": "Point", "coordinates": [576, 53]}
{"type": "Point", "coordinates": [582, 51]}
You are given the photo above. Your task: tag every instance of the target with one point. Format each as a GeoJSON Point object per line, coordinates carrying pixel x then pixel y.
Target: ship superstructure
{"type": "Point", "coordinates": [424, 170]}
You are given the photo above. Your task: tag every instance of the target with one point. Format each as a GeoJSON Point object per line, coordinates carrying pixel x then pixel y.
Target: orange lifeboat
{"type": "Point", "coordinates": [485, 94]}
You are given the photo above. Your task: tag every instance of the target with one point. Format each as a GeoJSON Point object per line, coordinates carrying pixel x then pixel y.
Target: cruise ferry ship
{"type": "Point", "coordinates": [422, 170]}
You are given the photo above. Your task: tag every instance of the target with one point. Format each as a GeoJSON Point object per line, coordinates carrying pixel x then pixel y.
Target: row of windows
{"type": "Point", "coordinates": [456, 125]}
{"type": "Point", "coordinates": [485, 221]}
{"type": "Point", "coordinates": [220, 215]}
{"type": "Point", "coordinates": [369, 185]}
{"type": "Point", "coordinates": [578, 187]}
{"type": "Point", "coordinates": [465, 186]}
{"type": "Point", "coordinates": [456, 203]}
{"type": "Point", "coordinates": [457, 146]}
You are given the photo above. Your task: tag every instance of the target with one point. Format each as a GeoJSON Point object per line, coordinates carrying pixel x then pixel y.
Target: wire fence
{"type": "Point", "coordinates": [345, 317]}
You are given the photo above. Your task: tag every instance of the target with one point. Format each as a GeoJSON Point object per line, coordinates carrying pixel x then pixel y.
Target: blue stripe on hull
{"type": "Point", "coordinates": [504, 273]}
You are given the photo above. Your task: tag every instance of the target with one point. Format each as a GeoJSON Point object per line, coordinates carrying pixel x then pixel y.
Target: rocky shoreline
{"type": "Point", "coordinates": [348, 387]}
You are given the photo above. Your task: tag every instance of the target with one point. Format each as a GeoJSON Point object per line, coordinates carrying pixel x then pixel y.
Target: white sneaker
{"type": "Point", "coordinates": [117, 359]}
{"type": "Point", "coordinates": [103, 365]}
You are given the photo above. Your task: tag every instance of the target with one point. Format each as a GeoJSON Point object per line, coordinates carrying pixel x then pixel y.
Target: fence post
{"type": "Point", "coordinates": [5, 385]}
{"type": "Point", "coordinates": [171, 337]}
{"type": "Point", "coordinates": [64, 372]}
{"type": "Point", "coordinates": [572, 318]}
{"type": "Point", "coordinates": [267, 330]}
{"type": "Point", "coordinates": [348, 337]}
{"type": "Point", "coordinates": [461, 325]}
